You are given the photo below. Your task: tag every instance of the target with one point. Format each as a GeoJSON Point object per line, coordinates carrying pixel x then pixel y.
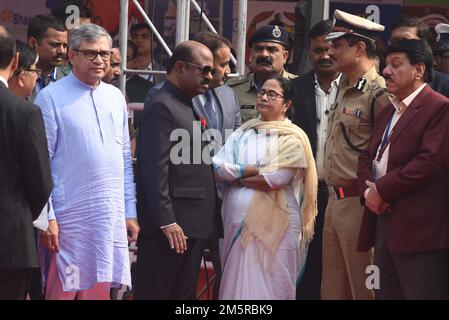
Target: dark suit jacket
{"type": "Point", "coordinates": [227, 105]}
{"type": "Point", "coordinates": [304, 105]}
{"type": "Point", "coordinates": [168, 192]}
{"type": "Point", "coordinates": [440, 83]}
{"type": "Point", "coordinates": [25, 179]}
{"type": "Point", "coordinates": [417, 177]}
{"type": "Point", "coordinates": [137, 88]}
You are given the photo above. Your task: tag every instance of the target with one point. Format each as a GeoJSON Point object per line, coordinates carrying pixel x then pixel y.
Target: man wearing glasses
{"type": "Point", "coordinates": [177, 206]}
{"type": "Point", "coordinates": [25, 180]}
{"type": "Point", "coordinates": [94, 195]}
{"type": "Point", "coordinates": [23, 80]}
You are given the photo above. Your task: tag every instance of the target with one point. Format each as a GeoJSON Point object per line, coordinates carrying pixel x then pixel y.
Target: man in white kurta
{"type": "Point", "coordinates": [94, 195]}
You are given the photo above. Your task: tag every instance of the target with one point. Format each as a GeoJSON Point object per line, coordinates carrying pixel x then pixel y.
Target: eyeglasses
{"type": "Point", "coordinates": [271, 94]}
{"type": "Point", "coordinates": [92, 54]}
{"type": "Point", "coordinates": [38, 72]}
{"type": "Point", "coordinates": [204, 70]}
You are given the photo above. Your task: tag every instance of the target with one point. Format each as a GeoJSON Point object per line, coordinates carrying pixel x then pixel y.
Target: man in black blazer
{"type": "Point", "coordinates": [314, 93]}
{"type": "Point", "coordinates": [25, 179]}
{"type": "Point", "coordinates": [177, 202]}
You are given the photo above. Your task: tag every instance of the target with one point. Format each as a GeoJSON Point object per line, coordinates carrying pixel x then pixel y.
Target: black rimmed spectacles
{"type": "Point", "coordinates": [92, 54]}
{"type": "Point", "coordinates": [38, 72]}
{"type": "Point", "coordinates": [204, 70]}
{"type": "Point", "coordinates": [271, 94]}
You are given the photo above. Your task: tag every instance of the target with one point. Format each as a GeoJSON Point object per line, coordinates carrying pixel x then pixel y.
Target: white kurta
{"type": "Point", "coordinates": [244, 277]}
{"type": "Point", "coordinates": [93, 191]}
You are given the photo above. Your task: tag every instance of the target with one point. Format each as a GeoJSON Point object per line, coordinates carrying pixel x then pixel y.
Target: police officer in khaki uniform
{"type": "Point", "coordinates": [269, 52]}
{"type": "Point", "coordinates": [441, 48]}
{"type": "Point", "coordinates": [361, 96]}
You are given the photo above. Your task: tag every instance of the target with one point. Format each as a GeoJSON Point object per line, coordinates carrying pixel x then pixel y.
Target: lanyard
{"type": "Point", "coordinates": [385, 139]}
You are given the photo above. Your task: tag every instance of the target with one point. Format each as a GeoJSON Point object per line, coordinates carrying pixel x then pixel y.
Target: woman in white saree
{"type": "Point", "coordinates": [269, 201]}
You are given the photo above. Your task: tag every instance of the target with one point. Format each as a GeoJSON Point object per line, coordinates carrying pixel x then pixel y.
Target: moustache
{"type": "Point", "coordinates": [325, 62]}
{"type": "Point", "coordinates": [59, 56]}
{"type": "Point", "coordinates": [205, 81]}
{"type": "Point", "coordinates": [264, 61]}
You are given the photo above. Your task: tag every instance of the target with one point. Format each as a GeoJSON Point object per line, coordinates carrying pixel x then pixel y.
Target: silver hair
{"type": "Point", "coordinates": [88, 32]}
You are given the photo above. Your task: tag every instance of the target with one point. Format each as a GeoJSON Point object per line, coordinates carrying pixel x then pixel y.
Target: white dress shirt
{"type": "Point", "coordinates": [5, 82]}
{"type": "Point", "coordinates": [400, 107]}
{"type": "Point", "coordinates": [145, 76]}
{"type": "Point", "coordinates": [324, 101]}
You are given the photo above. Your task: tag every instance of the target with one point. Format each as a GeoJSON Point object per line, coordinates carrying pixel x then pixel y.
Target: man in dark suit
{"type": "Point", "coordinates": [314, 94]}
{"type": "Point", "coordinates": [177, 201]}
{"type": "Point", "coordinates": [415, 28]}
{"type": "Point", "coordinates": [25, 179]}
{"type": "Point", "coordinates": [403, 179]}
{"type": "Point", "coordinates": [47, 35]}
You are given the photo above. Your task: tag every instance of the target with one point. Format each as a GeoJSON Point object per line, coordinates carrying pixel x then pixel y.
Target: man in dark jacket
{"type": "Point", "coordinates": [177, 201]}
{"type": "Point", "coordinates": [25, 179]}
{"type": "Point", "coordinates": [314, 94]}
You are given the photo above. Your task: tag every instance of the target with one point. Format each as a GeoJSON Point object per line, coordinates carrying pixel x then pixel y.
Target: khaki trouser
{"type": "Point", "coordinates": [343, 266]}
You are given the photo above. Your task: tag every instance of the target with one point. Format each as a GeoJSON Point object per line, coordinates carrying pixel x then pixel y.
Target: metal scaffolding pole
{"type": "Point", "coordinates": [123, 38]}
{"type": "Point", "coordinates": [203, 16]}
{"type": "Point", "coordinates": [208, 23]}
{"type": "Point", "coordinates": [220, 15]}
{"type": "Point", "coordinates": [153, 28]}
{"type": "Point", "coordinates": [187, 23]}
{"type": "Point", "coordinates": [182, 20]}
{"type": "Point", "coordinates": [241, 36]}
{"type": "Point", "coordinates": [182, 34]}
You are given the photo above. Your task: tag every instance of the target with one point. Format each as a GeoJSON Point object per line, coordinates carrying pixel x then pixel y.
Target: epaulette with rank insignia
{"type": "Point", "coordinates": [360, 85]}
{"type": "Point", "coordinates": [287, 75]}
{"type": "Point", "coordinates": [380, 95]}
{"type": "Point", "coordinates": [377, 89]}
{"type": "Point", "coordinates": [238, 80]}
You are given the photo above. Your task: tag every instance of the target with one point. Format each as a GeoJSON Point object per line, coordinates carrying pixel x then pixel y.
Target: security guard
{"type": "Point", "coordinates": [361, 96]}
{"type": "Point", "coordinates": [441, 48]}
{"type": "Point", "coordinates": [269, 52]}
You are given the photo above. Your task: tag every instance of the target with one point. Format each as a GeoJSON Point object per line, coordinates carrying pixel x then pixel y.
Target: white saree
{"type": "Point", "coordinates": [245, 275]}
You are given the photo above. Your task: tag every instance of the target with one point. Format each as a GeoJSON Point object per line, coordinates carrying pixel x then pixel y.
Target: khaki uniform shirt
{"type": "Point", "coordinates": [245, 89]}
{"type": "Point", "coordinates": [353, 112]}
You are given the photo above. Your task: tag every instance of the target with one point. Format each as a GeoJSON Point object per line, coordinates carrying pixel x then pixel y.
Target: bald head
{"type": "Point", "coordinates": [186, 51]}
{"type": "Point", "coordinates": [190, 67]}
